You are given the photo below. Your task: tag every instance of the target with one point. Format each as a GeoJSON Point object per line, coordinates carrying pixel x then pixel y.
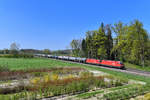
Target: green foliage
{"type": "Point", "coordinates": [128, 93]}
{"type": "Point", "coordinates": [89, 44]}
{"type": "Point", "coordinates": [101, 52]}
{"type": "Point", "coordinates": [46, 51]}
{"type": "Point", "coordinates": [86, 74]}
{"type": "Point", "coordinates": [84, 48]}
{"type": "Point", "coordinates": [94, 93]}
{"type": "Point", "coordinates": [131, 43]}
{"type": "Point", "coordinates": [96, 43]}
{"type": "Point", "coordinates": [14, 48]}
{"type": "Point", "coordinates": [4, 68]}
{"type": "Point", "coordinates": [76, 46]}
{"type": "Point", "coordinates": [109, 42]}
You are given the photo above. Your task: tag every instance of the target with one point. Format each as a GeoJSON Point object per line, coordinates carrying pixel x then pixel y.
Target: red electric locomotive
{"type": "Point", "coordinates": [110, 63]}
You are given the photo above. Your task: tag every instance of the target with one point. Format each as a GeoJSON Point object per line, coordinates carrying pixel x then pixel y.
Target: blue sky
{"type": "Point", "coordinates": [52, 24]}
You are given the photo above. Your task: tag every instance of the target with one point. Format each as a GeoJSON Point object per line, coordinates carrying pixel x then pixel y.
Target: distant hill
{"type": "Point", "coordinates": [62, 52]}
{"type": "Point", "coordinates": [36, 51]}
{"type": "Point", "coordinates": [31, 51]}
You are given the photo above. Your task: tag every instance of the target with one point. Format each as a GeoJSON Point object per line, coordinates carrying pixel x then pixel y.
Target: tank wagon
{"type": "Point", "coordinates": [107, 63]}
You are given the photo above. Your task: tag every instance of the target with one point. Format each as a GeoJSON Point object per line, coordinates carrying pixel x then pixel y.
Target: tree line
{"type": "Point", "coordinates": [125, 42]}
{"type": "Point", "coordinates": [15, 52]}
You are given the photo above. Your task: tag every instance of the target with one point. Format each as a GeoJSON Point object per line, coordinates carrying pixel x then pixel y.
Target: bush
{"type": "Point", "coordinates": [86, 74]}
{"type": "Point", "coordinates": [4, 68]}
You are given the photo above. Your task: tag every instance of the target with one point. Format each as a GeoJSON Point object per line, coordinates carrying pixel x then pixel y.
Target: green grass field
{"type": "Point", "coordinates": [21, 63]}
{"type": "Point", "coordinates": [32, 63]}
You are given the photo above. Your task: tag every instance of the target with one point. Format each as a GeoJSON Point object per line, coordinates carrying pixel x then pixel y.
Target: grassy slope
{"type": "Point", "coordinates": [128, 65]}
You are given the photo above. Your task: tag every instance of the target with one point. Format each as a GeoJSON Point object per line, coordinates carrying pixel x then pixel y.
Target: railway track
{"type": "Point", "coordinates": [128, 70]}
{"type": "Point", "coordinates": [145, 73]}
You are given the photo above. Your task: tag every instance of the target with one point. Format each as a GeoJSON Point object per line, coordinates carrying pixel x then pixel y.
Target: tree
{"type": "Point", "coordinates": [84, 48]}
{"type": "Point", "coordinates": [119, 41]}
{"type": "Point", "coordinates": [89, 43]}
{"type": "Point", "coordinates": [102, 28]}
{"type": "Point", "coordinates": [46, 51]}
{"type": "Point", "coordinates": [148, 51]}
{"type": "Point", "coordinates": [5, 51]}
{"type": "Point", "coordinates": [76, 47]}
{"type": "Point", "coordinates": [138, 39]}
{"type": "Point", "coordinates": [100, 42]}
{"type": "Point", "coordinates": [95, 43]}
{"type": "Point", "coordinates": [14, 48]}
{"type": "Point", "coordinates": [130, 43]}
{"type": "Point", "coordinates": [109, 42]}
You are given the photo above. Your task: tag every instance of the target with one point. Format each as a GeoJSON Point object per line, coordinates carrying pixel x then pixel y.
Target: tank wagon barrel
{"type": "Point", "coordinates": [107, 63]}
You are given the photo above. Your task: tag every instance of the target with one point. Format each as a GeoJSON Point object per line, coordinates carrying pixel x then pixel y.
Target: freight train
{"type": "Point", "coordinates": [107, 63]}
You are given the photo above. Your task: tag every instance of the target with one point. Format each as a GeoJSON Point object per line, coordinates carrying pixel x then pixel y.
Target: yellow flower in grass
{"type": "Point", "coordinates": [46, 78]}
{"type": "Point", "coordinates": [35, 80]}
{"type": "Point", "coordinates": [70, 76]}
{"type": "Point", "coordinates": [55, 77]}
{"type": "Point", "coordinates": [147, 96]}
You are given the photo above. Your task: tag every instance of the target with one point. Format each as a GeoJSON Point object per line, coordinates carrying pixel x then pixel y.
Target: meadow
{"type": "Point", "coordinates": [31, 63]}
